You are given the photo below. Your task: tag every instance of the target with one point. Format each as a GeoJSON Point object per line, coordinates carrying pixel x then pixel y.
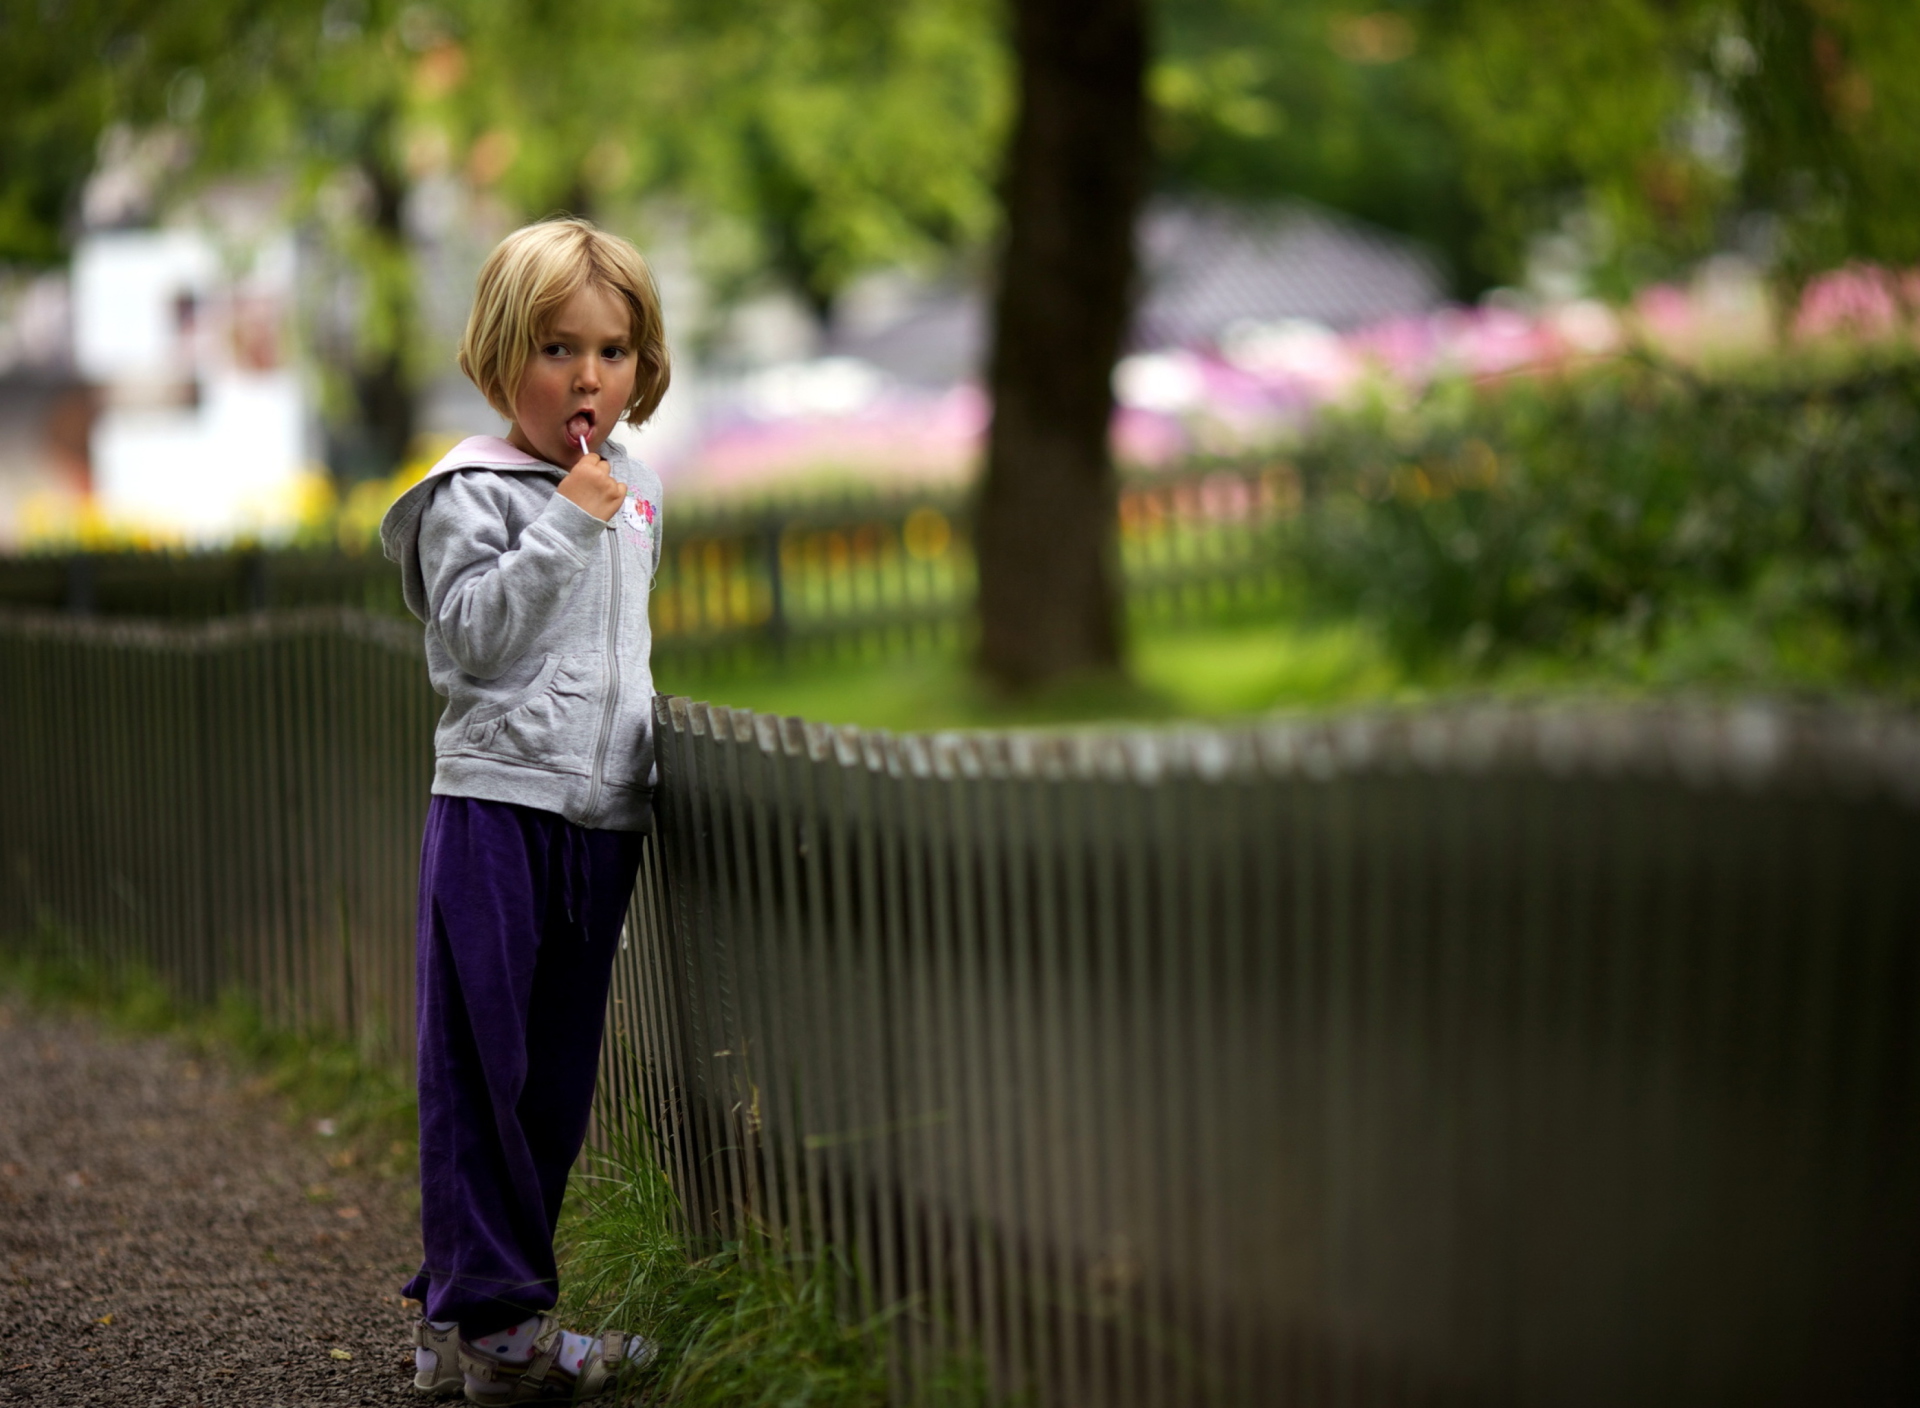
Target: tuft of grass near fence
{"type": "Point", "coordinates": [324, 1083]}
{"type": "Point", "coordinates": [749, 1324]}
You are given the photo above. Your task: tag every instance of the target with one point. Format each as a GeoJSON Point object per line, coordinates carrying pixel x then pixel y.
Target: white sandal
{"type": "Point", "coordinates": [541, 1379]}
{"type": "Point", "coordinates": [444, 1379]}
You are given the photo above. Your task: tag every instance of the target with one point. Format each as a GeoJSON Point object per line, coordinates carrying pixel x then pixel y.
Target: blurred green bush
{"type": "Point", "coordinates": [1620, 509]}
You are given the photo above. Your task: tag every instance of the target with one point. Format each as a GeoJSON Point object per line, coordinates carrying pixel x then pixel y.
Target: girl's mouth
{"type": "Point", "coordinates": [579, 425]}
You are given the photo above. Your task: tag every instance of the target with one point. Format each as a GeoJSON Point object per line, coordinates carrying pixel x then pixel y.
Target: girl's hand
{"type": "Point", "coordinates": [590, 484]}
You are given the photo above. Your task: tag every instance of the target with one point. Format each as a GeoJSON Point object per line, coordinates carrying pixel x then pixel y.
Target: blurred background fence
{"type": "Point", "coordinates": [1474, 1056]}
{"type": "Point", "coordinates": [871, 573]}
{"type": "Point", "coordinates": [1758, 528]}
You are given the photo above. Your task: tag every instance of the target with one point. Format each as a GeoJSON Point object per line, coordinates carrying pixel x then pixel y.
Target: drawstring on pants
{"type": "Point", "coordinates": [576, 877]}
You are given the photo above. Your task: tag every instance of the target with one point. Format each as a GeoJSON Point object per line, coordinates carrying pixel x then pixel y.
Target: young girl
{"type": "Point", "coordinates": [529, 559]}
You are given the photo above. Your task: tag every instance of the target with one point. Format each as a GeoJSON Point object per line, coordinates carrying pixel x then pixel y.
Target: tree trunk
{"type": "Point", "coordinates": [1049, 597]}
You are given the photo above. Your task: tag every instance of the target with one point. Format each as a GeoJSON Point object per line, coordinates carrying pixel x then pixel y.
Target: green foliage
{"type": "Point", "coordinates": [834, 135]}
{"type": "Point", "coordinates": [841, 133]}
{"type": "Point", "coordinates": [1606, 514]}
{"type": "Point", "coordinates": [1553, 117]}
{"type": "Point", "coordinates": [1323, 99]}
{"type": "Point", "coordinates": [1832, 124]}
{"type": "Point", "coordinates": [69, 69]}
{"type": "Point", "coordinates": [751, 1324]}
{"type": "Point", "coordinates": [50, 122]}
{"type": "Point", "coordinates": [1657, 127]}
{"type": "Point", "coordinates": [822, 137]}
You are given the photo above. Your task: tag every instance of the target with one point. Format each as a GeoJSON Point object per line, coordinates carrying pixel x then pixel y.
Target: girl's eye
{"type": "Point", "coordinates": [554, 349]}
{"type": "Point", "coordinates": [614, 354]}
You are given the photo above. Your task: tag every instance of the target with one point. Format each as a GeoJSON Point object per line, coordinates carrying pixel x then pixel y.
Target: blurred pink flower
{"type": "Point", "coordinates": [1266, 379]}
{"type": "Point", "coordinates": [1861, 300]}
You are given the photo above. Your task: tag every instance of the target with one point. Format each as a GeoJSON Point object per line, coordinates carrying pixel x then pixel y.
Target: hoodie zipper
{"type": "Point", "coordinates": [613, 675]}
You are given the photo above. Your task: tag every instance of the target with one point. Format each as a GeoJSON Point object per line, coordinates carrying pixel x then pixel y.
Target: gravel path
{"type": "Point", "coordinates": [166, 1238]}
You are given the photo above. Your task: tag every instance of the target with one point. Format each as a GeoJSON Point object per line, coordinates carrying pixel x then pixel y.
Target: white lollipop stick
{"type": "Point", "coordinates": [583, 446]}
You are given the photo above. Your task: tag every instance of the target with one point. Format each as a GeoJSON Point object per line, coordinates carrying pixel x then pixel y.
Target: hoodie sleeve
{"type": "Point", "coordinates": [490, 598]}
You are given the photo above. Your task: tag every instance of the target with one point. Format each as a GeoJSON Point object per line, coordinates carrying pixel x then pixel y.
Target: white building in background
{"type": "Point", "coordinates": [180, 407]}
{"type": "Point", "coordinates": [203, 419]}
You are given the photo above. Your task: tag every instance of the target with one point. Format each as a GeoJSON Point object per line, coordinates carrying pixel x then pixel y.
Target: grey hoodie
{"type": "Point", "coordinates": [537, 630]}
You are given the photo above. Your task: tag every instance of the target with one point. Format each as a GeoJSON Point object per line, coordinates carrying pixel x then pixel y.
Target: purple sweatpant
{"type": "Point", "coordinates": [520, 915]}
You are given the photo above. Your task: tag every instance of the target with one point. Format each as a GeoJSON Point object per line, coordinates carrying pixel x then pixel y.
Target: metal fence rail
{"type": "Point", "coordinates": [1479, 1057]}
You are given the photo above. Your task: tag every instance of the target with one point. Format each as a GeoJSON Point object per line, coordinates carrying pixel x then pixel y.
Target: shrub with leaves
{"type": "Point", "coordinates": [1602, 511]}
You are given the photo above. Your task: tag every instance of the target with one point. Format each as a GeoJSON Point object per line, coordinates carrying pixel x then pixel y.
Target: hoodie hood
{"type": "Point", "coordinates": [400, 529]}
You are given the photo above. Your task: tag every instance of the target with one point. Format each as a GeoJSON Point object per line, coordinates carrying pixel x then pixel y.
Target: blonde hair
{"type": "Point", "coordinates": [524, 283]}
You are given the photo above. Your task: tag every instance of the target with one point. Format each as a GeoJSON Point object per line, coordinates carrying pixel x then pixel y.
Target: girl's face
{"type": "Point", "coordinates": [578, 380]}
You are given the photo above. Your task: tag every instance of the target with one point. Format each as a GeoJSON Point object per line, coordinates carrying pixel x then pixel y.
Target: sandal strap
{"type": "Point", "coordinates": [489, 1370]}
{"type": "Point", "coordinates": [600, 1368]}
{"type": "Point", "coordinates": [541, 1379]}
{"type": "Point", "coordinates": [547, 1344]}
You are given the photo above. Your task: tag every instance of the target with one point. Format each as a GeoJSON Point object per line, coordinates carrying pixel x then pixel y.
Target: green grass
{"type": "Point", "coordinates": [368, 1108]}
{"type": "Point", "coordinates": [1243, 670]}
{"type": "Point", "coordinates": [1213, 672]}
{"type": "Point", "coordinates": [1252, 668]}
{"type": "Point", "coordinates": [749, 1324]}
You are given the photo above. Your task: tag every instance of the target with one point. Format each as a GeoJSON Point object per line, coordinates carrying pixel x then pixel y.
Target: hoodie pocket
{"type": "Point", "coordinates": [552, 723]}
